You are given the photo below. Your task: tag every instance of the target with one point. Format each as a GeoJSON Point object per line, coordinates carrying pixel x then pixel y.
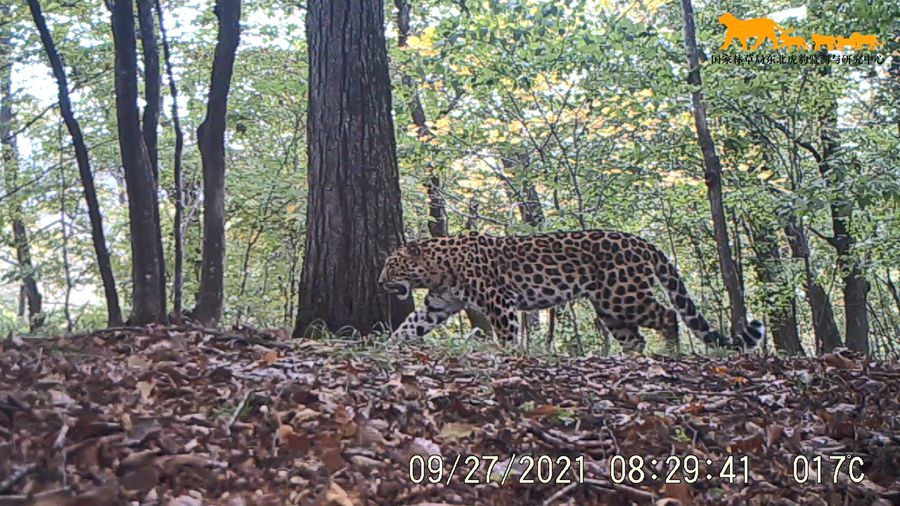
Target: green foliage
{"type": "Point", "coordinates": [578, 106]}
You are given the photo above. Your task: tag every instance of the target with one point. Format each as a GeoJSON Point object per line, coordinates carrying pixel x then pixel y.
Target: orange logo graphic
{"type": "Point", "coordinates": [742, 30]}
{"type": "Point", "coordinates": [826, 41]}
{"type": "Point", "coordinates": [789, 41]}
{"type": "Point", "coordinates": [746, 29]}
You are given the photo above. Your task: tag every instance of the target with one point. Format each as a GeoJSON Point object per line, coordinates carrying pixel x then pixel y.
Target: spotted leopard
{"type": "Point", "coordinates": [500, 276]}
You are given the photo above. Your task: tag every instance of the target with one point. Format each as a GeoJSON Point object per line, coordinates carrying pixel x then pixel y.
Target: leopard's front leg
{"type": "Point", "coordinates": [438, 307]}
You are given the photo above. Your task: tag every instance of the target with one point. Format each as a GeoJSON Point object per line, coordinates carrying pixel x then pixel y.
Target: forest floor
{"type": "Point", "coordinates": [188, 416]}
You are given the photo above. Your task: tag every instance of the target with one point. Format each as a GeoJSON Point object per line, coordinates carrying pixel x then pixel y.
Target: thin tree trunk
{"type": "Point", "coordinates": [113, 311]}
{"type": "Point", "coordinates": [143, 208]}
{"type": "Point", "coordinates": [354, 214]}
{"type": "Point", "coordinates": [712, 175]}
{"type": "Point", "coordinates": [177, 228]}
{"type": "Point", "coordinates": [9, 154]}
{"type": "Point", "coordinates": [150, 121]}
{"type": "Point", "coordinates": [67, 268]}
{"type": "Point", "coordinates": [783, 316]}
{"type": "Point", "coordinates": [152, 82]}
{"type": "Point", "coordinates": [438, 225]}
{"type": "Point", "coordinates": [437, 211]}
{"type": "Point", "coordinates": [825, 329]}
{"type": "Point", "coordinates": [211, 135]}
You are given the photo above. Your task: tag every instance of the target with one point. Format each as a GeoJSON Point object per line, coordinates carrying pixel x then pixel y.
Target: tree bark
{"type": "Point", "coordinates": [63, 225]}
{"type": "Point", "coordinates": [825, 329]}
{"type": "Point", "coordinates": [211, 135]}
{"type": "Point", "coordinates": [150, 121]}
{"type": "Point", "coordinates": [712, 175]}
{"type": "Point", "coordinates": [354, 214]}
{"type": "Point", "coordinates": [113, 310]}
{"type": "Point", "coordinates": [143, 208]}
{"type": "Point", "coordinates": [178, 277]}
{"type": "Point", "coordinates": [152, 82]}
{"type": "Point", "coordinates": [833, 172]}
{"type": "Point", "coordinates": [9, 155]}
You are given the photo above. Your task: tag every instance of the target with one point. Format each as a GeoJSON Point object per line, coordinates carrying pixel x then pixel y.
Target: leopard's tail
{"type": "Point", "coordinates": [668, 276]}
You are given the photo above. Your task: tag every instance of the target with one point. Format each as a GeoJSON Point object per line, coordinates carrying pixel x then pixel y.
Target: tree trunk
{"type": "Point", "coordinates": [437, 211]}
{"type": "Point", "coordinates": [140, 184]}
{"type": "Point", "coordinates": [438, 225]}
{"type": "Point", "coordinates": [63, 225]}
{"type": "Point", "coordinates": [211, 135]}
{"type": "Point", "coordinates": [354, 214]}
{"type": "Point", "coordinates": [712, 175]}
{"type": "Point", "coordinates": [9, 155]}
{"type": "Point", "coordinates": [150, 122]}
{"type": "Point", "coordinates": [152, 82]}
{"type": "Point", "coordinates": [113, 311]}
{"type": "Point", "coordinates": [783, 316]}
{"type": "Point", "coordinates": [825, 329]}
{"type": "Point", "coordinates": [833, 172]}
{"type": "Point", "coordinates": [178, 279]}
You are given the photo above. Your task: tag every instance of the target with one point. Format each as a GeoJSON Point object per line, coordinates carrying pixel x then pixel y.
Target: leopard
{"type": "Point", "coordinates": [500, 276]}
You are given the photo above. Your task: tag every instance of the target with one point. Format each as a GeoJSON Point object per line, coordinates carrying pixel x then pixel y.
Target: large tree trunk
{"type": "Point", "coordinates": [113, 311]}
{"type": "Point", "coordinates": [178, 278]}
{"type": "Point", "coordinates": [150, 122]}
{"type": "Point", "coordinates": [211, 135]}
{"type": "Point", "coordinates": [9, 154]}
{"type": "Point", "coordinates": [783, 316]}
{"type": "Point", "coordinates": [354, 215]}
{"type": "Point", "coordinates": [856, 288]}
{"type": "Point", "coordinates": [712, 175]}
{"type": "Point", "coordinates": [143, 209]}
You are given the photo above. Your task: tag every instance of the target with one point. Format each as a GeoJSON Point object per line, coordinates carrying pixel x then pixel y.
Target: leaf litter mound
{"type": "Point", "coordinates": [189, 416]}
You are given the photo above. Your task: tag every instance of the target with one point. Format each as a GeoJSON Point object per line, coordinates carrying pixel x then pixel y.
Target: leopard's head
{"type": "Point", "coordinates": [408, 268]}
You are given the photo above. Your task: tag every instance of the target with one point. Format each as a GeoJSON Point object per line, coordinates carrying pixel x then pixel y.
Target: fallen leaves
{"type": "Point", "coordinates": [188, 416]}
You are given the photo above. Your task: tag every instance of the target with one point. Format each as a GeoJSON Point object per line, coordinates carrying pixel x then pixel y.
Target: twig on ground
{"type": "Point", "coordinates": [237, 412]}
{"type": "Point", "coordinates": [16, 476]}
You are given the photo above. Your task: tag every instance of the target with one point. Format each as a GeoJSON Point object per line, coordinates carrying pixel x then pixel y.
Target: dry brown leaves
{"type": "Point", "coordinates": [185, 416]}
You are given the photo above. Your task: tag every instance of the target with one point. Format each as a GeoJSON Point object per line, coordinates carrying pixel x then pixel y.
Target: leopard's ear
{"type": "Point", "coordinates": [413, 248]}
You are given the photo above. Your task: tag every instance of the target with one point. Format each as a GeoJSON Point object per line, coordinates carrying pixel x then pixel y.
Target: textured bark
{"type": "Point", "coordinates": [152, 82]}
{"type": "Point", "coordinates": [113, 311]}
{"type": "Point", "coordinates": [354, 215]}
{"type": "Point", "coordinates": [143, 208]}
{"type": "Point", "coordinates": [712, 175]}
{"type": "Point", "coordinates": [211, 135]}
{"type": "Point", "coordinates": [150, 121]}
{"type": "Point", "coordinates": [825, 329]}
{"type": "Point", "coordinates": [833, 171]}
{"type": "Point", "coordinates": [178, 230]}
{"type": "Point", "coordinates": [9, 156]}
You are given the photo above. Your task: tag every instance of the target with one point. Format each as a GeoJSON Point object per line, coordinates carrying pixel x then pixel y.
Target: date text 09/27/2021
{"type": "Point", "coordinates": [634, 470]}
